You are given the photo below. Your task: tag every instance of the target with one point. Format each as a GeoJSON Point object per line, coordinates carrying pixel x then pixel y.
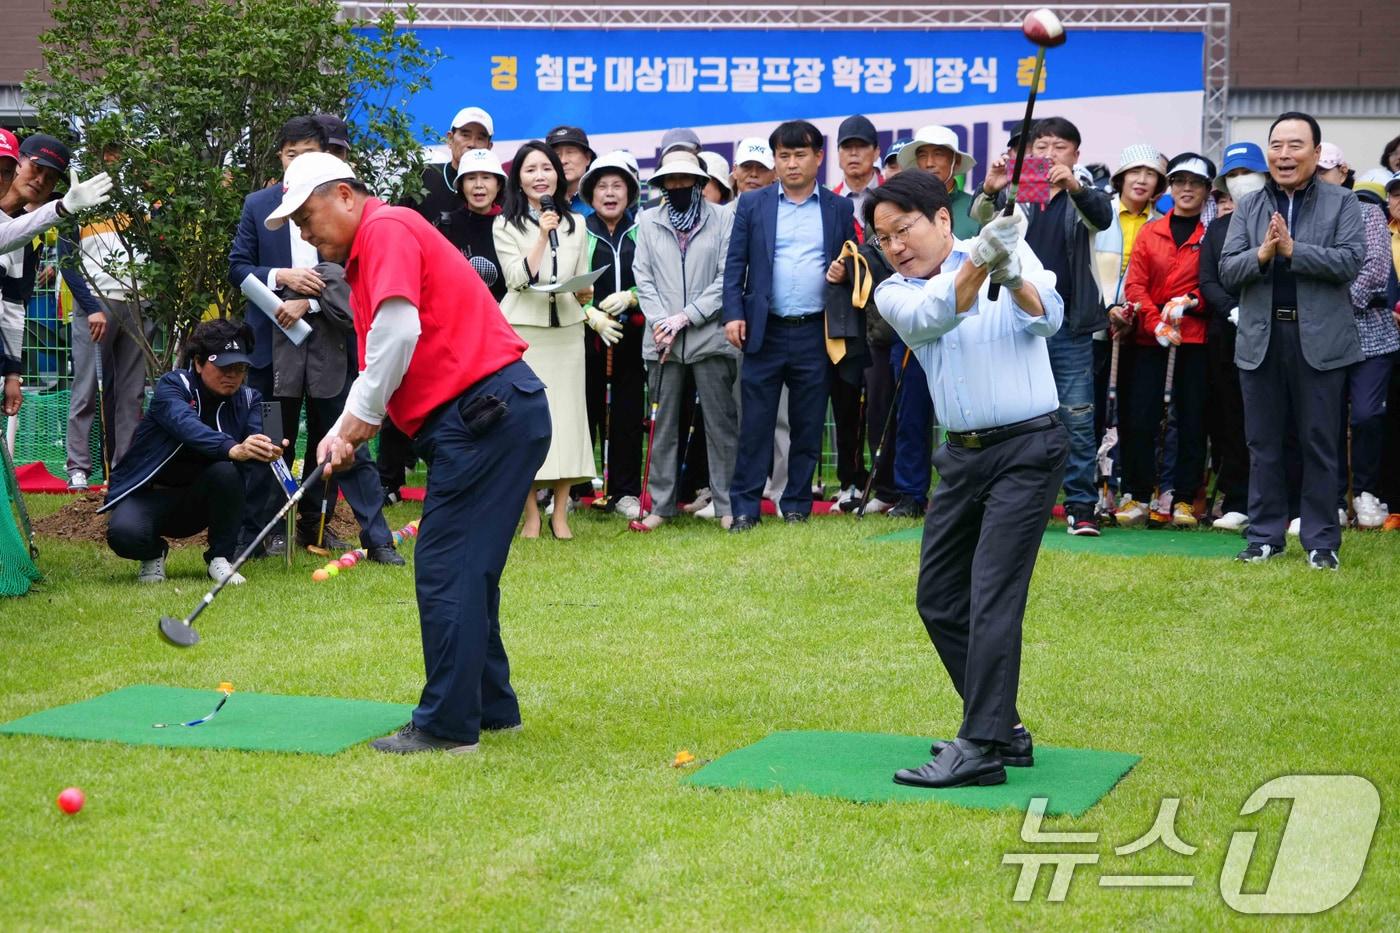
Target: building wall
{"type": "Point", "coordinates": [23, 20]}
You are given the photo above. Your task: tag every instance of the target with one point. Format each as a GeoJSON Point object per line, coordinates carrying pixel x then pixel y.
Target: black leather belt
{"type": "Point", "coordinates": [1285, 314]}
{"type": "Point", "coordinates": [794, 321]}
{"type": "Point", "coordinates": [978, 439]}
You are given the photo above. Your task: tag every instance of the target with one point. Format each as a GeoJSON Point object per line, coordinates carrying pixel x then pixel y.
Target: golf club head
{"type": "Point", "coordinates": [637, 525]}
{"type": "Point", "coordinates": [176, 632]}
{"type": "Point", "coordinates": [318, 551]}
{"type": "Point", "coordinates": [601, 504]}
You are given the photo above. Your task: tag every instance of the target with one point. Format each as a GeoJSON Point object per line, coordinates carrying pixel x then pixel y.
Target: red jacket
{"type": "Point", "coordinates": [1158, 271]}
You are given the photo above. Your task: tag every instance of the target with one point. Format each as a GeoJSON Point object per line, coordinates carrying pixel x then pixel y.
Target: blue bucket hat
{"type": "Point", "coordinates": [1243, 155]}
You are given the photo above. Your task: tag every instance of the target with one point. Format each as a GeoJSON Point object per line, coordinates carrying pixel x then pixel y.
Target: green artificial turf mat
{"type": "Point", "coordinates": [1121, 542]}
{"type": "Point", "coordinates": [248, 721]}
{"type": "Point", "coordinates": [859, 766]}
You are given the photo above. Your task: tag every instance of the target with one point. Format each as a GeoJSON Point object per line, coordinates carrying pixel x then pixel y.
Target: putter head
{"type": "Point", "coordinates": [601, 503]}
{"type": "Point", "coordinates": [637, 525]}
{"type": "Point", "coordinates": [318, 551]}
{"type": "Point", "coordinates": [175, 632]}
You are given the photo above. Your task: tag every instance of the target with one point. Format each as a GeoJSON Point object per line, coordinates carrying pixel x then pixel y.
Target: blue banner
{"type": "Point", "coordinates": [618, 81]}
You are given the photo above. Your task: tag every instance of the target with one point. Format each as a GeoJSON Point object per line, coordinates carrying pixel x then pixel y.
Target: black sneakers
{"type": "Point", "coordinates": [906, 507]}
{"type": "Point", "coordinates": [1322, 559]}
{"type": "Point", "coordinates": [1081, 520]}
{"type": "Point", "coordinates": [1259, 553]}
{"type": "Point", "coordinates": [410, 739]}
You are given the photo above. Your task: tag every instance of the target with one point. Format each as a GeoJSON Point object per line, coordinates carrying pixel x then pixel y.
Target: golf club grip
{"type": "Point", "coordinates": [1171, 376]}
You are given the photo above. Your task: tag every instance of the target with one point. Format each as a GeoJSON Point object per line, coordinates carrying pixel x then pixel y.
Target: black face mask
{"type": "Point", "coordinates": [680, 198]}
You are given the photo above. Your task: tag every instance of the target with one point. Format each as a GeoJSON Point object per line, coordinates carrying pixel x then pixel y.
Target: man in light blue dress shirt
{"type": "Point", "coordinates": [999, 471]}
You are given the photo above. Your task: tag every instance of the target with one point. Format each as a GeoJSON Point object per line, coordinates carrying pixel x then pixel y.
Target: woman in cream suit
{"type": "Point", "coordinates": [551, 323]}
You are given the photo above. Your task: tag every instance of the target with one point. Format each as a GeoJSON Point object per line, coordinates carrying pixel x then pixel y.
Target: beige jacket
{"type": "Point", "coordinates": [525, 308]}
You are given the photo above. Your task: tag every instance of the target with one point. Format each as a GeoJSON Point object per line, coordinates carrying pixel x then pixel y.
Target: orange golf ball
{"type": "Point", "coordinates": [320, 575]}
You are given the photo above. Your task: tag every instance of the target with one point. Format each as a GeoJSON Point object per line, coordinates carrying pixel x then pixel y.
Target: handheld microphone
{"type": "Point", "coordinates": [547, 204]}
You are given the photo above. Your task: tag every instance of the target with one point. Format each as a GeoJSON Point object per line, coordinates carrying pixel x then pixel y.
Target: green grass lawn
{"type": "Point", "coordinates": [627, 648]}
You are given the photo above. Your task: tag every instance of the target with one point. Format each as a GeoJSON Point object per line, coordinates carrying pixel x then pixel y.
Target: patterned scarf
{"type": "Point", "coordinates": [685, 221]}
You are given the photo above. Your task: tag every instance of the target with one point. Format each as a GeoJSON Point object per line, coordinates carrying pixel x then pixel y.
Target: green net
{"type": "Point", "coordinates": [17, 570]}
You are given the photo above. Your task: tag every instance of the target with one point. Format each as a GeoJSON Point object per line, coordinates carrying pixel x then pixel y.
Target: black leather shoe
{"type": "Point", "coordinates": [1018, 753]}
{"type": "Point", "coordinates": [795, 518]}
{"type": "Point", "coordinates": [275, 546]}
{"type": "Point", "coordinates": [742, 523]}
{"type": "Point", "coordinates": [385, 555]}
{"type": "Point", "coordinates": [906, 507]}
{"type": "Point", "coordinates": [410, 740]}
{"type": "Point", "coordinates": [960, 764]}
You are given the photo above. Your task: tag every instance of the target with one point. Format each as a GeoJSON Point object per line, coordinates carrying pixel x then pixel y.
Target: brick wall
{"type": "Point", "coordinates": [1273, 43]}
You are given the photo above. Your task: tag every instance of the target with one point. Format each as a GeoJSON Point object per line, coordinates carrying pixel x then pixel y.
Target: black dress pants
{"type": "Point", "coordinates": [142, 521]}
{"type": "Point", "coordinates": [981, 537]}
{"type": "Point", "coordinates": [1225, 422]}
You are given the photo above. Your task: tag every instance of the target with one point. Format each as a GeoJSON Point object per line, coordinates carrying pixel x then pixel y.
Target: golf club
{"type": "Point", "coordinates": [181, 633]}
{"type": "Point", "coordinates": [637, 524]}
{"type": "Point", "coordinates": [1044, 29]}
{"type": "Point", "coordinates": [319, 548]}
{"type": "Point", "coordinates": [602, 502]}
{"type": "Point", "coordinates": [1152, 520]}
{"type": "Point", "coordinates": [884, 436]}
{"type": "Point", "coordinates": [102, 414]}
{"type": "Point", "coordinates": [1110, 437]}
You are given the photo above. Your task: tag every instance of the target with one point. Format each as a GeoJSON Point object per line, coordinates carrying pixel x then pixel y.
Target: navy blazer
{"type": "Point", "coordinates": [259, 250]}
{"type": "Point", "coordinates": [748, 269]}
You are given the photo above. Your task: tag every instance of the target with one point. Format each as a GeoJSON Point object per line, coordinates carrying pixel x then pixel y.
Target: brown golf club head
{"type": "Point", "coordinates": [318, 551]}
{"type": "Point", "coordinates": [176, 632]}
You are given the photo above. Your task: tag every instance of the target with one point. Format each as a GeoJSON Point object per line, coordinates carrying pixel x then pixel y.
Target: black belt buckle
{"type": "Point", "coordinates": [1286, 314]}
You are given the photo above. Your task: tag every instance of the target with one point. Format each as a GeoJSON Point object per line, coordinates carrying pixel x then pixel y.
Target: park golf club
{"type": "Point", "coordinates": [180, 632]}
{"type": "Point", "coordinates": [1044, 29]}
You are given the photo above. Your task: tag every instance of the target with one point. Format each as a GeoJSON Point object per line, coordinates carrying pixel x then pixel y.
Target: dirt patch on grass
{"type": "Point", "coordinates": [79, 521]}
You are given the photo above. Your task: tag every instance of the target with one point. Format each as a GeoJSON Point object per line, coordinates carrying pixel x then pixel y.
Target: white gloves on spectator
{"type": "Point", "coordinates": [85, 194]}
{"type": "Point", "coordinates": [1007, 272]}
{"type": "Point", "coordinates": [1234, 316]}
{"type": "Point", "coordinates": [1175, 308]}
{"type": "Point", "coordinates": [618, 303]}
{"type": "Point", "coordinates": [998, 239]}
{"type": "Point", "coordinates": [607, 328]}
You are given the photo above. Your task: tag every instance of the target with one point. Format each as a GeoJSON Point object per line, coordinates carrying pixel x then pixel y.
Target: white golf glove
{"type": "Point", "coordinates": [1176, 307]}
{"type": "Point", "coordinates": [607, 328]}
{"type": "Point", "coordinates": [998, 239]}
{"type": "Point", "coordinates": [1234, 316]}
{"type": "Point", "coordinates": [1007, 272]}
{"type": "Point", "coordinates": [618, 303]}
{"type": "Point", "coordinates": [1167, 335]}
{"type": "Point", "coordinates": [85, 194]}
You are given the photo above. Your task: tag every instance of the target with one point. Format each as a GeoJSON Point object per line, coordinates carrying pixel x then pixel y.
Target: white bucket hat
{"type": "Point", "coordinates": [718, 169]}
{"type": "Point", "coordinates": [620, 162]}
{"type": "Point", "coordinates": [478, 160]}
{"type": "Point", "coordinates": [1141, 155]}
{"type": "Point", "coordinates": [679, 162]}
{"type": "Point", "coordinates": [935, 135]}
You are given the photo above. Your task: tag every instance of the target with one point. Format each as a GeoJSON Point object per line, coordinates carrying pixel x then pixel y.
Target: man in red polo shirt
{"type": "Point", "coordinates": [436, 355]}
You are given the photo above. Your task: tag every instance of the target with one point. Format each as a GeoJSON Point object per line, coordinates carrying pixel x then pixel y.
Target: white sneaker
{"type": "Point", "coordinates": [78, 482]}
{"type": "Point", "coordinates": [878, 505]}
{"type": "Point", "coordinates": [1342, 518]}
{"type": "Point", "coordinates": [703, 497]}
{"type": "Point", "coordinates": [629, 507]}
{"type": "Point", "coordinates": [1370, 511]}
{"type": "Point", "coordinates": [152, 571]}
{"type": "Point", "coordinates": [220, 569]}
{"type": "Point", "coordinates": [549, 509]}
{"type": "Point", "coordinates": [708, 511]}
{"type": "Point", "coordinates": [1231, 521]}
{"type": "Point", "coordinates": [1295, 527]}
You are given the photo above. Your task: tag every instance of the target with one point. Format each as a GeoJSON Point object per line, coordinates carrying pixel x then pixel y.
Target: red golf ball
{"type": "Point", "coordinates": [71, 800]}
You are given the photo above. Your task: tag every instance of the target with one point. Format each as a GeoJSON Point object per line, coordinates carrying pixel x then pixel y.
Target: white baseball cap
{"type": "Point", "coordinates": [753, 149]}
{"type": "Point", "coordinates": [478, 160]}
{"type": "Point", "coordinates": [474, 115]}
{"type": "Point", "coordinates": [935, 135]}
{"type": "Point", "coordinates": [307, 172]}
